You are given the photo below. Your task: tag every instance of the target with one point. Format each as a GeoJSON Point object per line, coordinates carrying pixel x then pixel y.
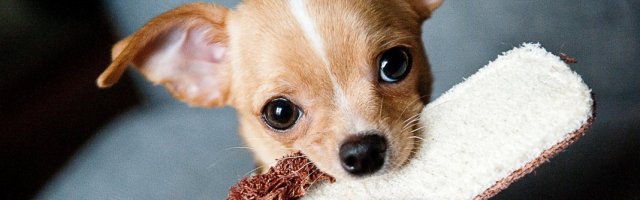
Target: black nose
{"type": "Point", "coordinates": [363, 155]}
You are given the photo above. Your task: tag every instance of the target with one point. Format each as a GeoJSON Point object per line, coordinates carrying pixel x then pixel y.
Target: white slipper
{"type": "Point", "coordinates": [486, 132]}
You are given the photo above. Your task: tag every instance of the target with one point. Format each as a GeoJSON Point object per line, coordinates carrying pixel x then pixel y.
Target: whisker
{"type": "Point", "coordinates": [410, 123]}
{"type": "Point", "coordinates": [417, 129]}
{"type": "Point", "coordinates": [253, 170]}
{"type": "Point", "coordinates": [408, 127]}
{"type": "Point", "coordinates": [302, 167]}
{"type": "Point", "coordinates": [311, 173]}
{"type": "Point", "coordinates": [412, 117]}
{"type": "Point", "coordinates": [232, 148]}
{"type": "Point", "coordinates": [409, 105]}
{"type": "Point", "coordinates": [416, 137]}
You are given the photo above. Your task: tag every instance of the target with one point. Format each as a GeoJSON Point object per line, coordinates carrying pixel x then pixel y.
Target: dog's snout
{"type": "Point", "coordinates": [364, 154]}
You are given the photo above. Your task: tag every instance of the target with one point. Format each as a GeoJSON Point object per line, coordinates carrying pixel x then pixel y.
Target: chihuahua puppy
{"type": "Point", "coordinates": [342, 81]}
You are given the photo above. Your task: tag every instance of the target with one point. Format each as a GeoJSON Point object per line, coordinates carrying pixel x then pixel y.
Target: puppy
{"type": "Point", "coordinates": [342, 81]}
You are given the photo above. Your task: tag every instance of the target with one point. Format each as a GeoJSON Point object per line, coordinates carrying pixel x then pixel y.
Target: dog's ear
{"type": "Point", "coordinates": [182, 49]}
{"type": "Point", "coordinates": [425, 8]}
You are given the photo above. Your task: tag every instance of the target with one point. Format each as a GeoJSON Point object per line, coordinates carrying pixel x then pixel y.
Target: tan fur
{"type": "Point", "coordinates": [269, 56]}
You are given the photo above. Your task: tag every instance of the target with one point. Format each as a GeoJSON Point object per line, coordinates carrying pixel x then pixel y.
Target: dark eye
{"type": "Point", "coordinates": [280, 114]}
{"type": "Point", "coordinates": [394, 64]}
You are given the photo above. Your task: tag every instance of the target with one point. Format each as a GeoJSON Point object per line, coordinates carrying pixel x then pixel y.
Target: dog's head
{"type": "Point", "coordinates": [342, 81]}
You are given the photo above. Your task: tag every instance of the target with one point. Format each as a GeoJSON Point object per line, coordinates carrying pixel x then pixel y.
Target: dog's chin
{"type": "Point", "coordinates": [393, 164]}
{"type": "Point", "coordinates": [401, 151]}
{"type": "Point", "coordinates": [401, 154]}
{"type": "Point", "coordinates": [344, 175]}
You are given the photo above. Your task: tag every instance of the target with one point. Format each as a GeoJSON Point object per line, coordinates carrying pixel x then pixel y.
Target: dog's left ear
{"type": "Point", "coordinates": [425, 8]}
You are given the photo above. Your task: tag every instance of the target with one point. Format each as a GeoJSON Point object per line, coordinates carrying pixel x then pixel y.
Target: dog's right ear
{"type": "Point", "coordinates": [425, 8]}
{"type": "Point", "coordinates": [182, 49]}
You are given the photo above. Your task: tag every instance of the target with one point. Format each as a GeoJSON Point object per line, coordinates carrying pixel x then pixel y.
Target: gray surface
{"type": "Point", "coordinates": [160, 150]}
{"type": "Point", "coordinates": [164, 150]}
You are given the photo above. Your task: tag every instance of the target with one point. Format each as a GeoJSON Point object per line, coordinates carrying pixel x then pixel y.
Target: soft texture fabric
{"type": "Point", "coordinates": [486, 132]}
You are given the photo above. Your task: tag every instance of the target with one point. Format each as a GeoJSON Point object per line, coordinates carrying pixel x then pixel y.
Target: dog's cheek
{"type": "Point", "coordinates": [423, 85]}
{"type": "Point", "coordinates": [321, 149]}
{"type": "Point", "coordinates": [402, 131]}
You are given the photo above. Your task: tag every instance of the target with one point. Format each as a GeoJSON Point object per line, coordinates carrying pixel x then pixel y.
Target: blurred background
{"type": "Point", "coordinates": [62, 138]}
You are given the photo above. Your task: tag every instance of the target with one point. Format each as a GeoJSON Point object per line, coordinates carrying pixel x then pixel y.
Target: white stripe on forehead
{"type": "Point", "coordinates": [301, 14]}
{"type": "Point", "coordinates": [308, 25]}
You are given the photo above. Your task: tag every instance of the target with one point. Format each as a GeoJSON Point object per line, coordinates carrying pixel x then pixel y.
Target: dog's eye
{"type": "Point", "coordinates": [394, 64]}
{"type": "Point", "coordinates": [280, 114]}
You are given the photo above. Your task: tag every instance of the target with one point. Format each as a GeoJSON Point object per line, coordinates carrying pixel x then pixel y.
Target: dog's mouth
{"type": "Point", "coordinates": [373, 153]}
